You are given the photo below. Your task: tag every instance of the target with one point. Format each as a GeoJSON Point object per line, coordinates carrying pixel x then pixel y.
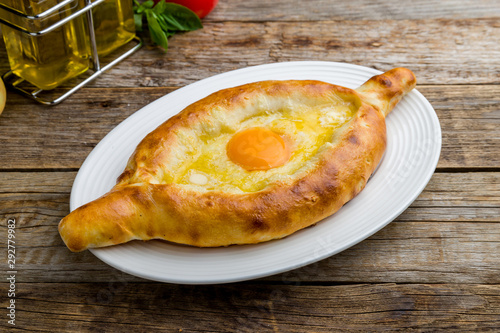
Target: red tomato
{"type": "Point", "coordinates": [200, 7]}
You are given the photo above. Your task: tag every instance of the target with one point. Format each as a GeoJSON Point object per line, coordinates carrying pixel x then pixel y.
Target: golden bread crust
{"type": "Point", "coordinates": [146, 205]}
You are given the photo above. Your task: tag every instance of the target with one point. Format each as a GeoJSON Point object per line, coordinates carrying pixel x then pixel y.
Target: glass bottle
{"type": "Point", "coordinates": [113, 25]}
{"type": "Point", "coordinates": [47, 60]}
{"type": "Point", "coordinates": [50, 59]}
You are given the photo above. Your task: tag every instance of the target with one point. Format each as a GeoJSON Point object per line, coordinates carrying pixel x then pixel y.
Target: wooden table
{"type": "Point", "coordinates": [437, 266]}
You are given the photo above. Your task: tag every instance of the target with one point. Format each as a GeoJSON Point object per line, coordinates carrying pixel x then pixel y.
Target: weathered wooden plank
{"type": "Point", "coordinates": [448, 237]}
{"type": "Point", "coordinates": [439, 51]}
{"type": "Point", "coordinates": [411, 252]}
{"type": "Point", "coordinates": [449, 234]}
{"type": "Point", "coordinates": [317, 10]}
{"type": "Point", "coordinates": [63, 136]}
{"type": "Point", "coordinates": [151, 307]}
{"type": "Point", "coordinates": [469, 117]}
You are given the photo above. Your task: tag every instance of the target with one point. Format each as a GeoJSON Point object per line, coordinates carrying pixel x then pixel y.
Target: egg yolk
{"type": "Point", "coordinates": [258, 148]}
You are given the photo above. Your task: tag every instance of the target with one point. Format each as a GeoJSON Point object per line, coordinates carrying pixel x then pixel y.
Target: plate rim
{"type": "Point", "coordinates": [86, 168]}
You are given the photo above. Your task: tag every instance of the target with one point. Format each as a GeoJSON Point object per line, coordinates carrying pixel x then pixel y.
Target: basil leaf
{"type": "Point", "coordinates": [138, 22]}
{"type": "Point", "coordinates": [157, 34]}
{"type": "Point", "coordinates": [169, 33]}
{"type": "Point", "coordinates": [163, 24]}
{"type": "Point", "coordinates": [148, 4]}
{"type": "Point", "coordinates": [180, 17]}
{"type": "Point", "coordinates": [160, 7]}
{"type": "Point", "coordinates": [139, 9]}
{"type": "Point", "coordinates": [172, 23]}
{"type": "Point", "coordinates": [164, 20]}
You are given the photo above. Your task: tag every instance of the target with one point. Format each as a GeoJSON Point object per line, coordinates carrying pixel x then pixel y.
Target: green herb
{"type": "Point", "coordinates": [164, 20]}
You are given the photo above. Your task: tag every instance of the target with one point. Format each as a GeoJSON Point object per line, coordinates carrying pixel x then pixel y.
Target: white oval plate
{"type": "Point", "coordinates": [414, 145]}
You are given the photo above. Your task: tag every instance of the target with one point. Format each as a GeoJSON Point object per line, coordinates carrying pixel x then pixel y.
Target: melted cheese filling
{"type": "Point", "coordinates": [305, 126]}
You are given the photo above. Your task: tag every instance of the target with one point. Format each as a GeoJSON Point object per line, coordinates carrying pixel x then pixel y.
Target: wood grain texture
{"type": "Point", "coordinates": [450, 234]}
{"type": "Point", "coordinates": [435, 268]}
{"type": "Point", "coordinates": [321, 10]}
{"type": "Point", "coordinates": [153, 307]}
{"type": "Point", "coordinates": [440, 51]}
{"type": "Point", "coordinates": [63, 136]}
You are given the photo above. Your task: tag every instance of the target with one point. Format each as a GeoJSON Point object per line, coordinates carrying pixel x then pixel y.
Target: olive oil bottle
{"type": "Point", "coordinates": [50, 59]}
{"type": "Point", "coordinates": [113, 25]}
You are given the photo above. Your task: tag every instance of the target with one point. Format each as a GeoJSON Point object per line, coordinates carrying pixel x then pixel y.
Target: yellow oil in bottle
{"type": "Point", "coordinates": [50, 59]}
{"type": "Point", "coordinates": [113, 24]}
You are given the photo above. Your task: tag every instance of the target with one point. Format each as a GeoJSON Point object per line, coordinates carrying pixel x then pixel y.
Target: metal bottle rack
{"type": "Point", "coordinates": [35, 93]}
